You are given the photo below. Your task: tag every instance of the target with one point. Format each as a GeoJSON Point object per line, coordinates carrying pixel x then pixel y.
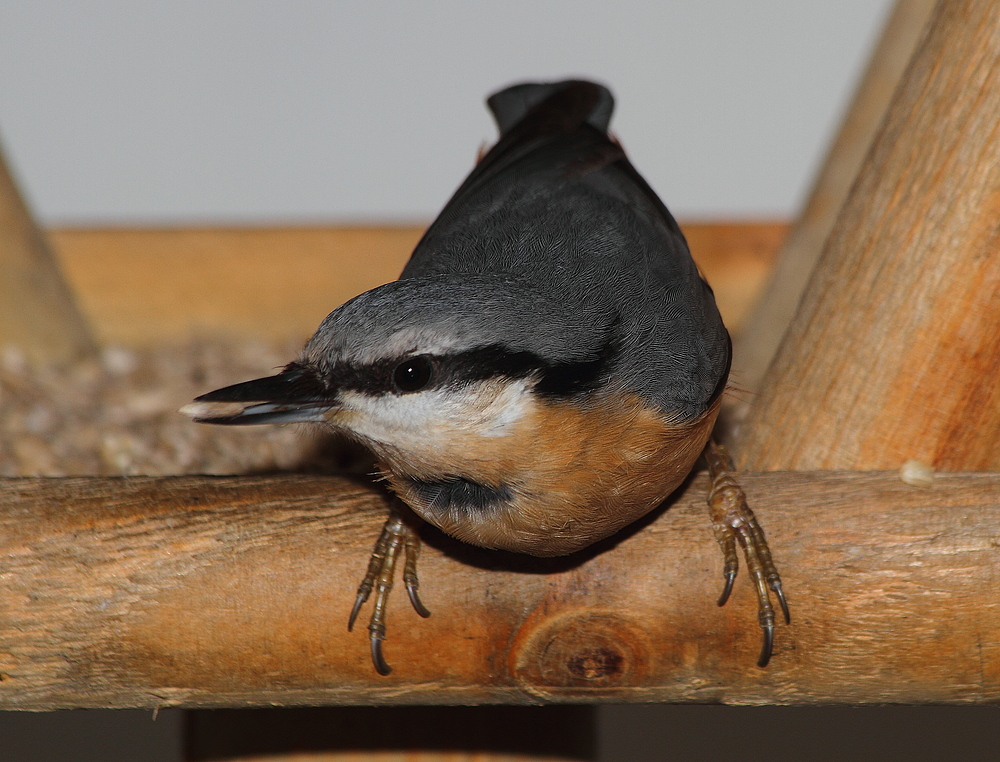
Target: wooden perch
{"type": "Point", "coordinates": [229, 591]}
{"type": "Point", "coordinates": [37, 312]}
{"type": "Point", "coordinates": [893, 354]}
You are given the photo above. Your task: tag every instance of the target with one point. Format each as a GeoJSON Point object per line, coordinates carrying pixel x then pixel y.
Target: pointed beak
{"type": "Point", "coordinates": [294, 395]}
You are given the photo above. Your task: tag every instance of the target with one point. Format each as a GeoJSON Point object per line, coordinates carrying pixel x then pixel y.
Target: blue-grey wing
{"type": "Point", "coordinates": [557, 199]}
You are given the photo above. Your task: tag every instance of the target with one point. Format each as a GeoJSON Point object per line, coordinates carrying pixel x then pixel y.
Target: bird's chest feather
{"type": "Point", "coordinates": [536, 476]}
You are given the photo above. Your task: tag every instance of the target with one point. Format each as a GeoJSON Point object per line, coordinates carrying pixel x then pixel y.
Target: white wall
{"type": "Point", "coordinates": [314, 110]}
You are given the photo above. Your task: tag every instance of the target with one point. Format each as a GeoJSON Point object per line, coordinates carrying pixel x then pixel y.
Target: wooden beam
{"type": "Point", "coordinates": [893, 353]}
{"type": "Point", "coordinates": [233, 591]}
{"type": "Point", "coordinates": [142, 287]}
{"type": "Point", "coordinates": [757, 341]}
{"type": "Point", "coordinates": [38, 316]}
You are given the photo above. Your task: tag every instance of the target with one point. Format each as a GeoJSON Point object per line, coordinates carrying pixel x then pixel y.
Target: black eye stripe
{"type": "Point", "coordinates": [406, 375]}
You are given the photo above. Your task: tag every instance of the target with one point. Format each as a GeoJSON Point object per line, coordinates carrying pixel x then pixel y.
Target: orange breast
{"type": "Point", "coordinates": [577, 473]}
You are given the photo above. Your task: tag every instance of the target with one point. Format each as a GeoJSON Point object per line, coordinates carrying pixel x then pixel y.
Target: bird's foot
{"type": "Point", "coordinates": [397, 536]}
{"type": "Point", "coordinates": [732, 522]}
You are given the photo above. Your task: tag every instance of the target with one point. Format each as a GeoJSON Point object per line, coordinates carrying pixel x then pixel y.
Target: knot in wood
{"type": "Point", "coordinates": [595, 664]}
{"type": "Point", "coordinates": [580, 653]}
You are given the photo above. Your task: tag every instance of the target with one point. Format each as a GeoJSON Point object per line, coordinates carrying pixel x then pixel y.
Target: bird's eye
{"type": "Point", "coordinates": [413, 374]}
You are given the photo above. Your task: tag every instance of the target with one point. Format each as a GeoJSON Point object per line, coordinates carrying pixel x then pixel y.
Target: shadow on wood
{"type": "Point", "coordinates": [349, 734]}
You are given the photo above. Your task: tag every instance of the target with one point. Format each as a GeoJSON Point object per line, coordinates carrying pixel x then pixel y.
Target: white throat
{"type": "Point", "coordinates": [434, 431]}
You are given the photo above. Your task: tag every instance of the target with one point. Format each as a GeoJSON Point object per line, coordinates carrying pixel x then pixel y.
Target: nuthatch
{"type": "Point", "coordinates": [546, 370]}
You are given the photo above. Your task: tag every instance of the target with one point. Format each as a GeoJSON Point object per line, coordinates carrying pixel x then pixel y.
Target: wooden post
{"type": "Point", "coordinates": [756, 344]}
{"type": "Point", "coordinates": [37, 313]}
{"type": "Point", "coordinates": [234, 591]}
{"type": "Point", "coordinates": [893, 354]}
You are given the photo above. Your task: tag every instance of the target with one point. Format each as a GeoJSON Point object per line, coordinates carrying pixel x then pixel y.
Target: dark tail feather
{"type": "Point", "coordinates": [559, 106]}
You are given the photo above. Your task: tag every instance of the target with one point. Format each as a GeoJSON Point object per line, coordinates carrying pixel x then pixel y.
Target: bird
{"type": "Point", "coordinates": [547, 369]}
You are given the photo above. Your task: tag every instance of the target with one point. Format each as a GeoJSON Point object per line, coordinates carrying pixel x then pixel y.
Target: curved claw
{"type": "Point", "coordinates": [398, 539]}
{"type": "Point", "coordinates": [766, 647]}
{"type": "Point", "coordinates": [418, 606]}
{"type": "Point", "coordinates": [730, 578]}
{"type": "Point", "coordinates": [734, 523]}
{"type": "Point", "coordinates": [378, 660]}
{"type": "Point", "coordinates": [358, 603]}
{"type": "Point", "coordinates": [776, 587]}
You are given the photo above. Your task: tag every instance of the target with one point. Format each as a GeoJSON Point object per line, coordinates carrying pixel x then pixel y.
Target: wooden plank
{"type": "Point", "coordinates": [893, 353]}
{"type": "Point", "coordinates": [38, 316]}
{"type": "Point", "coordinates": [233, 591]}
{"type": "Point", "coordinates": [765, 325]}
{"type": "Point", "coordinates": [145, 286]}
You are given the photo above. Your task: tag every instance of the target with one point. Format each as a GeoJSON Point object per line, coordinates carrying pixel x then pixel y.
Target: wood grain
{"type": "Point", "coordinates": [145, 286]}
{"type": "Point", "coordinates": [38, 315]}
{"type": "Point", "coordinates": [893, 353]}
{"type": "Point", "coordinates": [233, 591]}
{"type": "Point", "coordinates": [757, 342]}
{"type": "Point", "coordinates": [141, 287]}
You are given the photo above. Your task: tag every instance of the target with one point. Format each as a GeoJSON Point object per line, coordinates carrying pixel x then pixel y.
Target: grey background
{"type": "Point", "coordinates": [188, 111]}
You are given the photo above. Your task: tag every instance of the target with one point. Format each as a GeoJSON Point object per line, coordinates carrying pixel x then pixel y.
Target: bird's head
{"type": "Point", "coordinates": [442, 378]}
